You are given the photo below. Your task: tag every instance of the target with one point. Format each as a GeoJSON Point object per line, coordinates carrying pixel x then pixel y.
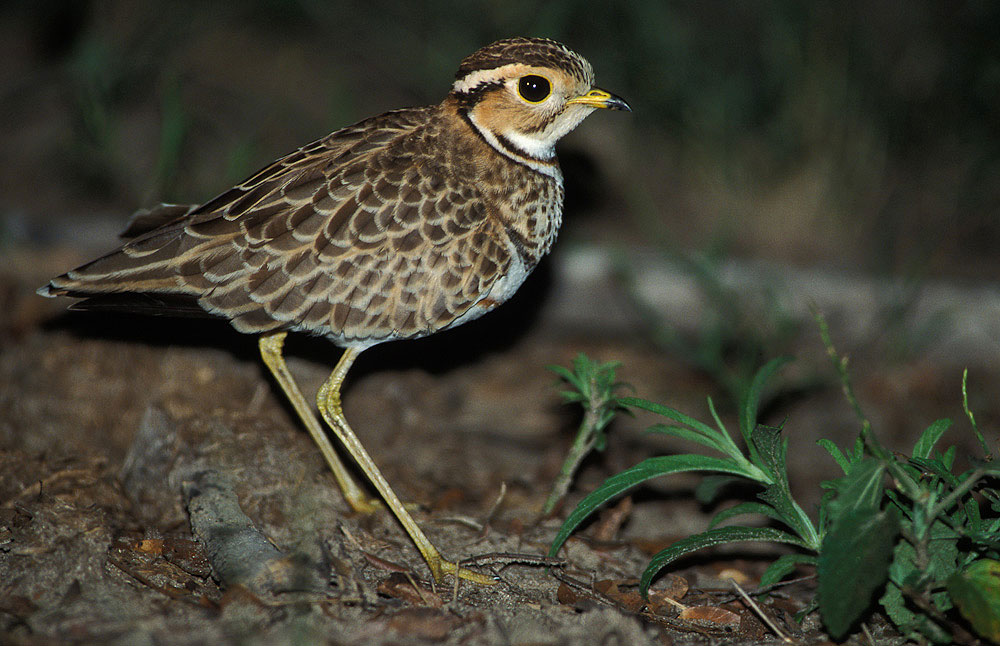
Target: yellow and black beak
{"type": "Point", "coordinates": [598, 98]}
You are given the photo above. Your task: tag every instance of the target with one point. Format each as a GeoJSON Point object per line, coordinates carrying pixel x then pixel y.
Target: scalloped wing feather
{"type": "Point", "coordinates": [358, 236]}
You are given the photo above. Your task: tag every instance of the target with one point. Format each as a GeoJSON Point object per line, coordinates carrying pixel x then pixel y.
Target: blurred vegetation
{"type": "Point", "coordinates": [850, 133]}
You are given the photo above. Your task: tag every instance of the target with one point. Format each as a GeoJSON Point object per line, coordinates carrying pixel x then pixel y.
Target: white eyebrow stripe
{"type": "Point", "coordinates": [472, 79]}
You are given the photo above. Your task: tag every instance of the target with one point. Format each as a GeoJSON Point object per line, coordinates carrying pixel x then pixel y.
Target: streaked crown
{"type": "Point", "coordinates": [537, 52]}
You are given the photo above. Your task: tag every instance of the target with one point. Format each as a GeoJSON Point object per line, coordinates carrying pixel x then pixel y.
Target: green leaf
{"type": "Point", "coordinates": [915, 625]}
{"type": "Point", "coordinates": [948, 458]}
{"type": "Point", "coordinates": [594, 388]}
{"type": "Point", "coordinates": [859, 448]}
{"type": "Point", "coordinates": [788, 512]}
{"type": "Point", "coordinates": [900, 504]}
{"type": "Point", "coordinates": [904, 570]}
{"type": "Point", "coordinates": [696, 431]}
{"type": "Point", "coordinates": [929, 438]}
{"type": "Point", "coordinates": [976, 593]}
{"type": "Point", "coordinates": [711, 441]}
{"type": "Point", "coordinates": [645, 470]}
{"type": "Point", "coordinates": [972, 515]}
{"type": "Point", "coordinates": [771, 452]}
{"type": "Point", "coordinates": [572, 396]}
{"type": "Point", "coordinates": [771, 448]}
{"type": "Point", "coordinates": [836, 454]}
{"type": "Point", "coordinates": [783, 567]}
{"type": "Point", "coordinates": [972, 418]}
{"type": "Point", "coordinates": [936, 467]}
{"type": "Point", "coordinates": [750, 402]}
{"type": "Point", "coordinates": [853, 565]}
{"type": "Point", "coordinates": [940, 562]}
{"type": "Point", "coordinates": [717, 536]}
{"type": "Point", "coordinates": [672, 413]}
{"type": "Point", "coordinates": [861, 488]}
{"type": "Point", "coordinates": [562, 371]}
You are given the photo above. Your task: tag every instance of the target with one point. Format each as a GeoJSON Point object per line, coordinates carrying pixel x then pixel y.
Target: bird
{"type": "Point", "coordinates": [402, 225]}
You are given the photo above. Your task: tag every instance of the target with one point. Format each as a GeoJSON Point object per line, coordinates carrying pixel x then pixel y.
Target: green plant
{"type": "Point", "coordinates": [941, 543]}
{"type": "Point", "coordinates": [916, 540]}
{"type": "Point", "coordinates": [946, 550]}
{"type": "Point", "coordinates": [763, 464]}
{"type": "Point", "coordinates": [594, 386]}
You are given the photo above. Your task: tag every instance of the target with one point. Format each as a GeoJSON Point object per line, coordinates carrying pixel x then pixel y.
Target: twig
{"type": "Point", "coordinates": [508, 558]}
{"type": "Point", "coordinates": [173, 592]}
{"type": "Point", "coordinates": [760, 613]}
{"type": "Point", "coordinates": [238, 551]}
{"type": "Point", "coordinates": [496, 506]}
{"type": "Point", "coordinates": [868, 634]}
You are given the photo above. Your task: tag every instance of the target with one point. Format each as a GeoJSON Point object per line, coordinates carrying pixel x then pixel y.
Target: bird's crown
{"type": "Point", "coordinates": [536, 52]}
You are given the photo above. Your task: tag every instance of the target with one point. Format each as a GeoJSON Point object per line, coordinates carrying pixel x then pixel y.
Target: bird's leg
{"type": "Point", "coordinates": [270, 352]}
{"type": "Point", "coordinates": [328, 401]}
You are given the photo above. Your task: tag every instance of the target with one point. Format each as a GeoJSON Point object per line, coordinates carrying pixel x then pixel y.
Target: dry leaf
{"type": "Point", "coordinates": [17, 606]}
{"type": "Point", "coordinates": [668, 593]}
{"type": "Point", "coordinates": [449, 499]}
{"type": "Point", "coordinates": [566, 595]}
{"type": "Point", "coordinates": [400, 586]}
{"type": "Point", "coordinates": [422, 623]}
{"type": "Point", "coordinates": [187, 554]}
{"type": "Point", "coordinates": [651, 546]}
{"type": "Point", "coordinates": [671, 586]}
{"type": "Point", "coordinates": [153, 546]}
{"type": "Point", "coordinates": [611, 520]}
{"type": "Point", "coordinates": [719, 617]}
{"type": "Point", "coordinates": [630, 600]}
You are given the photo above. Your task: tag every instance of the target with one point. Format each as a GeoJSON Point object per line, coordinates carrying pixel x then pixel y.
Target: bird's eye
{"type": "Point", "coordinates": [534, 88]}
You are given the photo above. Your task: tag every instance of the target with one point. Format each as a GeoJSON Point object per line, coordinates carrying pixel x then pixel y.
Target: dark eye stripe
{"type": "Point", "coordinates": [470, 98]}
{"type": "Point", "coordinates": [534, 88]}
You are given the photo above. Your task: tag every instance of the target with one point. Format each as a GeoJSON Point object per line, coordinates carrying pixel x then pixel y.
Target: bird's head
{"type": "Point", "coordinates": [524, 94]}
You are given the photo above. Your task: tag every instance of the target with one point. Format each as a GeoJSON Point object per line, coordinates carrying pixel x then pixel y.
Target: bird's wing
{"type": "Point", "coordinates": [360, 235]}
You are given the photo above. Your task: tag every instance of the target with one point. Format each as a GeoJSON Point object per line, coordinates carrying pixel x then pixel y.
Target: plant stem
{"type": "Point", "coordinates": [586, 436]}
{"type": "Point", "coordinates": [956, 493]}
{"type": "Point", "coordinates": [840, 365]}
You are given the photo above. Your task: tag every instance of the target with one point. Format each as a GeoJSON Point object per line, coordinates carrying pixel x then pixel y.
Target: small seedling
{"type": "Point", "coordinates": [594, 386]}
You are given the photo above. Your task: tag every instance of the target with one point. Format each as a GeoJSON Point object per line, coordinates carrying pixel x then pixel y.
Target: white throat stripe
{"type": "Point", "coordinates": [524, 157]}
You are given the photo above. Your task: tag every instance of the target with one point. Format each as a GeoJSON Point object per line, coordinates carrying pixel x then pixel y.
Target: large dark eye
{"type": "Point", "coordinates": [534, 88]}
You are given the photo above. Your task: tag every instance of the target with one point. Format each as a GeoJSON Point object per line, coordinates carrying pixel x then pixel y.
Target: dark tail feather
{"type": "Point", "coordinates": [176, 305]}
{"type": "Point", "coordinates": [145, 220]}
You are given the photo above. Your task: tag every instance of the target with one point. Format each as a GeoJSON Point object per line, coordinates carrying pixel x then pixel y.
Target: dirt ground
{"type": "Point", "coordinates": [90, 517]}
{"type": "Point", "coordinates": [104, 420]}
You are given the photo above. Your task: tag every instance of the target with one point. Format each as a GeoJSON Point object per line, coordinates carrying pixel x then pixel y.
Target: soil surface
{"type": "Point", "coordinates": [107, 422]}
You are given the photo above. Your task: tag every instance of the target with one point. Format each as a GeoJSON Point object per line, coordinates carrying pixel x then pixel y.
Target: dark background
{"type": "Point", "coordinates": [842, 134]}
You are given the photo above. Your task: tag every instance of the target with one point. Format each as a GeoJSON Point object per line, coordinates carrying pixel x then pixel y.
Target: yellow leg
{"type": "Point", "coordinates": [329, 407]}
{"type": "Point", "coordinates": [270, 352]}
